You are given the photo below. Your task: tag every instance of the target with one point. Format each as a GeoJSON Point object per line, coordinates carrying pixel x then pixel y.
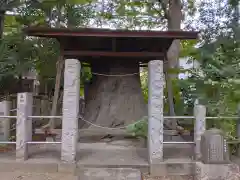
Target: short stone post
{"type": "Point", "coordinates": [199, 127]}
{"type": "Point", "coordinates": [5, 122]}
{"type": "Point", "coordinates": [156, 83]}
{"type": "Point", "coordinates": [24, 124]}
{"type": "Point", "coordinates": [70, 110]}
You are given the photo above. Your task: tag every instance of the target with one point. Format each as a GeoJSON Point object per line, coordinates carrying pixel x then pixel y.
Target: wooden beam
{"type": "Point", "coordinates": [113, 54]}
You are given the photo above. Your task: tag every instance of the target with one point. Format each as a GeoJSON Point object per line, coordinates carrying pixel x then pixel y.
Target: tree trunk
{"type": "Point", "coordinates": [2, 13]}
{"type": "Point", "coordinates": [60, 65]}
{"type": "Point", "coordinates": [114, 101]}
{"type": "Point", "coordinates": [174, 23]}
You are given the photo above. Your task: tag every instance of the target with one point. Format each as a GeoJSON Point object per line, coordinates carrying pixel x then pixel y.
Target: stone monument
{"type": "Point", "coordinates": [214, 148]}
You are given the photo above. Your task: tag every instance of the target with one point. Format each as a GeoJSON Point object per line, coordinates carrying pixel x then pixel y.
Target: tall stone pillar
{"type": "Point", "coordinates": [24, 124]}
{"type": "Point", "coordinates": [156, 83]}
{"type": "Point", "coordinates": [70, 110]}
{"type": "Point", "coordinates": [199, 127]}
{"type": "Point", "coordinates": [5, 122]}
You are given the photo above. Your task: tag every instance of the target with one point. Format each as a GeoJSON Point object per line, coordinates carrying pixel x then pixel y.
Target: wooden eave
{"type": "Point", "coordinates": [91, 44]}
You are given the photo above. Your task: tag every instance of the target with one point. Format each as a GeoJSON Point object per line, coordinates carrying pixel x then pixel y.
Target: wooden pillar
{"type": "Point", "coordinates": [71, 97]}
{"type": "Point", "coordinates": [156, 83]}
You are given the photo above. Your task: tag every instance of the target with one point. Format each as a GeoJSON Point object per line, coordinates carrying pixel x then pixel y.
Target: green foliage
{"type": "Point", "coordinates": [15, 53]}
{"type": "Point", "coordinates": [215, 78]}
{"type": "Point", "coordinates": [216, 81]}
{"type": "Point", "coordinates": [139, 128]}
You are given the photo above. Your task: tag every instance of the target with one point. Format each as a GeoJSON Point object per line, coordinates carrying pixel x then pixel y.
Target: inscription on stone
{"type": "Point", "coordinates": [70, 110]}
{"type": "Point", "coordinates": [21, 99]}
{"type": "Point", "coordinates": [213, 147]}
{"type": "Point", "coordinates": [215, 152]}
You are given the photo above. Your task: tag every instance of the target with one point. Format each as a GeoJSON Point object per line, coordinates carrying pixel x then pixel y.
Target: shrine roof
{"type": "Point", "coordinates": [95, 42]}
{"type": "Point", "coordinates": [99, 32]}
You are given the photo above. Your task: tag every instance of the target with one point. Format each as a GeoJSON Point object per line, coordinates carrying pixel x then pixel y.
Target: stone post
{"type": "Point", "coordinates": [199, 127]}
{"type": "Point", "coordinates": [238, 130]}
{"type": "Point", "coordinates": [24, 124]}
{"type": "Point", "coordinates": [71, 97]}
{"type": "Point", "coordinates": [156, 83]}
{"type": "Point", "coordinates": [5, 122]}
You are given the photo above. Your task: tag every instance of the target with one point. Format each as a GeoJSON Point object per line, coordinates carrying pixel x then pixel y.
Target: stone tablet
{"type": "Point", "coordinates": [213, 147]}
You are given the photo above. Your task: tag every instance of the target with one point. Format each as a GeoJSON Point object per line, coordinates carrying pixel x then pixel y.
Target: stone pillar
{"type": "Point", "coordinates": [5, 122]}
{"type": "Point", "coordinates": [24, 124]}
{"type": "Point", "coordinates": [238, 130]}
{"type": "Point", "coordinates": [70, 110]}
{"type": "Point", "coordinates": [156, 83]}
{"type": "Point", "coordinates": [199, 127]}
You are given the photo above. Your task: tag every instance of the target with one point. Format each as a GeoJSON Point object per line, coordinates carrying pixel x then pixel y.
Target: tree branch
{"type": "Point", "coordinates": [163, 4]}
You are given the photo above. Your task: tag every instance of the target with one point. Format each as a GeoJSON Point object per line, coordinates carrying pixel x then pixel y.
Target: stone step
{"type": "Point", "coordinates": [180, 168]}
{"type": "Point", "coordinates": [169, 178]}
{"type": "Point", "coordinates": [109, 174]}
{"type": "Point", "coordinates": [141, 167]}
{"type": "Point", "coordinates": [174, 167]}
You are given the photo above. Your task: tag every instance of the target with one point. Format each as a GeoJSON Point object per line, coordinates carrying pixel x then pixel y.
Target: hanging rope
{"type": "Point", "coordinates": [114, 75]}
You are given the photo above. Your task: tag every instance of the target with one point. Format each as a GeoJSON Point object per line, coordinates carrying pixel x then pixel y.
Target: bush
{"type": "Point", "coordinates": [139, 128]}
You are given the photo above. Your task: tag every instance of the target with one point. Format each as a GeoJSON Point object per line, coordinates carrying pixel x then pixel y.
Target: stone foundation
{"type": "Point", "coordinates": [217, 171]}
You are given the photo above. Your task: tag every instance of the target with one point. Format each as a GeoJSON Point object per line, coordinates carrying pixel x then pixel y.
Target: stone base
{"type": "Point", "coordinates": [217, 172]}
{"type": "Point", "coordinates": [173, 168]}
{"type": "Point", "coordinates": [147, 177]}
{"type": "Point", "coordinates": [12, 166]}
{"type": "Point", "coordinates": [67, 168]}
{"type": "Point", "coordinates": [109, 174]}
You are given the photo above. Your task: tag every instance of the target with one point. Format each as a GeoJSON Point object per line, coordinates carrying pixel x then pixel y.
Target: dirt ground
{"type": "Point", "coordinates": [61, 176]}
{"type": "Point", "coordinates": [35, 176]}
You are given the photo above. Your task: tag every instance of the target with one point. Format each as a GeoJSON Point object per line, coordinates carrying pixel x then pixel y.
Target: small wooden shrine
{"type": "Point", "coordinates": [113, 52]}
{"type": "Point", "coordinates": [115, 97]}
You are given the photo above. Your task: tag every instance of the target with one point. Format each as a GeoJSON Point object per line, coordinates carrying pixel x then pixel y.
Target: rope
{"type": "Point", "coordinates": [115, 75]}
{"type": "Point", "coordinates": [108, 75]}
{"type": "Point", "coordinates": [95, 125]}
{"type": "Point", "coordinates": [98, 126]}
